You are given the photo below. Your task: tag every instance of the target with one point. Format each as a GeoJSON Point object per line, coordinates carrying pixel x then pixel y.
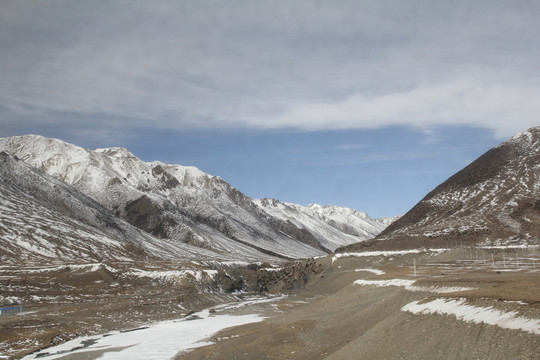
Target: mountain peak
{"type": "Point", "coordinates": [116, 152]}
{"type": "Point", "coordinates": [329, 209]}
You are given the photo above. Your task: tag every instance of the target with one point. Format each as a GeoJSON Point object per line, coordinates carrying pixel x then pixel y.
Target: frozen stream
{"type": "Point", "coordinates": [161, 340]}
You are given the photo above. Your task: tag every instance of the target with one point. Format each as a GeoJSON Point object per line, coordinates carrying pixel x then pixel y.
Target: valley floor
{"type": "Point", "coordinates": [347, 320]}
{"type": "Point", "coordinates": [462, 304]}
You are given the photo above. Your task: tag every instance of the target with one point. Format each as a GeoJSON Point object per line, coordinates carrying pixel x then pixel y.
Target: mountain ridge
{"type": "Point", "coordinates": [48, 219]}
{"type": "Point", "coordinates": [182, 204]}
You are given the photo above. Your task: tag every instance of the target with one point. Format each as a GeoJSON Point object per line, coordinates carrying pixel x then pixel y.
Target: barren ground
{"type": "Point", "coordinates": [331, 318]}
{"type": "Point", "coordinates": [345, 321]}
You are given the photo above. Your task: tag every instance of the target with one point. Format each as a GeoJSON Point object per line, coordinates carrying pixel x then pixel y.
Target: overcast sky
{"type": "Point", "coordinates": [367, 104]}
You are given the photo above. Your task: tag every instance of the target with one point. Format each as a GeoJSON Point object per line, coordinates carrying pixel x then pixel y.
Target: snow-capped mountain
{"type": "Point", "coordinates": [494, 199]}
{"type": "Point", "coordinates": [43, 218]}
{"type": "Point", "coordinates": [181, 204]}
{"type": "Point", "coordinates": [348, 220]}
{"type": "Point", "coordinates": [332, 226]}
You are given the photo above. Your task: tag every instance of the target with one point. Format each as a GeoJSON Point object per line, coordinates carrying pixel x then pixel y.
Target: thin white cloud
{"type": "Point", "coordinates": [506, 109]}
{"type": "Point", "coordinates": [292, 64]}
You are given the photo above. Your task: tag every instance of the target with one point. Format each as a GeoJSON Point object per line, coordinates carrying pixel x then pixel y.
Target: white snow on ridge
{"type": "Point", "coordinates": [333, 226]}
{"type": "Point", "coordinates": [381, 253]}
{"type": "Point", "coordinates": [175, 275]}
{"type": "Point", "coordinates": [475, 314]}
{"type": "Point", "coordinates": [358, 222]}
{"type": "Point", "coordinates": [90, 267]}
{"type": "Point", "coordinates": [374, 271]}
{"type": "Point", "coordinates": [409, 285]}
{"type": "Point", "coordinates": [329, 236]}
{"type": "Point", "coordinates": [504, 247]}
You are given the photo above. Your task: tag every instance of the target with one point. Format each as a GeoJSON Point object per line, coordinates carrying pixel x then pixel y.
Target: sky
{"type": "Point", "coordinates": [364, 104]}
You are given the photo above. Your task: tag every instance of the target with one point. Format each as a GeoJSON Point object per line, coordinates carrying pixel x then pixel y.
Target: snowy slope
{"type": "Point", "coordinates": [332, 226]}
{"type": "Point", "coordinates": [348, 220]}
{"type": "Point", "coordinates": [43, 218]}
{"type": "Point", "coordinates": [183, 204]}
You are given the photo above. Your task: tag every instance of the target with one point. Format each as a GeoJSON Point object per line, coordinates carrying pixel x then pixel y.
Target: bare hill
{"type": "Point", "coordinates": [494, 200]}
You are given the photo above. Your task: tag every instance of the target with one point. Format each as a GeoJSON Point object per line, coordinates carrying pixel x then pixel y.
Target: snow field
{"type": "Point", "coordinates": [475, 314]}
{"type": "Point", "coordinates": [409, 285]}
{"type": "Point", "coordinates": [161, 340]}
{"type": "Point", "coordinates": [198, 275]}
{"type": "Point", "coordinates": [374, 271]}
{"type": "Point", "coordinates": [386, 253]}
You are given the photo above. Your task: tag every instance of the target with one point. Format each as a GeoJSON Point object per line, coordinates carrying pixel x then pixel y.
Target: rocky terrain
{"type": "Point", "coordinates": [457, 277]}
{"type": "Point", "coordinates": [63, 301]}
{"type": "Point", "coordinates": [458, 303]}
{"type": "Point", "coordinates": [44, 219]}
{"type": "Point", "coordinates": [372, 306]}
{"type": "Point", "coordinates": [330, 226]}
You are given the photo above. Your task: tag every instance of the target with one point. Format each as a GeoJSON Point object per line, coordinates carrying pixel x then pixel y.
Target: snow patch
{"type": "Point", "coordinates": [162, 340]}
{"type": "Point", "coordinates": [409, 285]}
{"type": "Point", "coordinates": [375, 253]}
{"type": "Point", "coordinates": [475, 314]}
{"type": "Point", "coordinates": [374, 271]}
{"type": "Point", "coordinates": [386, 253]}
{"type": "Point", "coordinates": [505, 247]}
{"type": "Point", "coordinates": [199, 275]}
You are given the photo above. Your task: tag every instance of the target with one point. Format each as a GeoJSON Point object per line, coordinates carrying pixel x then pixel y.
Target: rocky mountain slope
{"type": "Point", "coordinates": [330, 225]}
{"type": "Point", "coordinates": [348, 220]}
{"type": "Point", "coordinates": [43, 218]}
{"type": "Point", "coordinates": [495, 199]}
{"type": "Point", "coordinates": [185, 205]}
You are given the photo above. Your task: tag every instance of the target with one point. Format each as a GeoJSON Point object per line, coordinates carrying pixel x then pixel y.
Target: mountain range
{"type": "Point", "coordinates": [61, 201]}
{"type": "Point", "coordinates": [60, 196]}
{"type": "Point", "coordinates": [43, 218]}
